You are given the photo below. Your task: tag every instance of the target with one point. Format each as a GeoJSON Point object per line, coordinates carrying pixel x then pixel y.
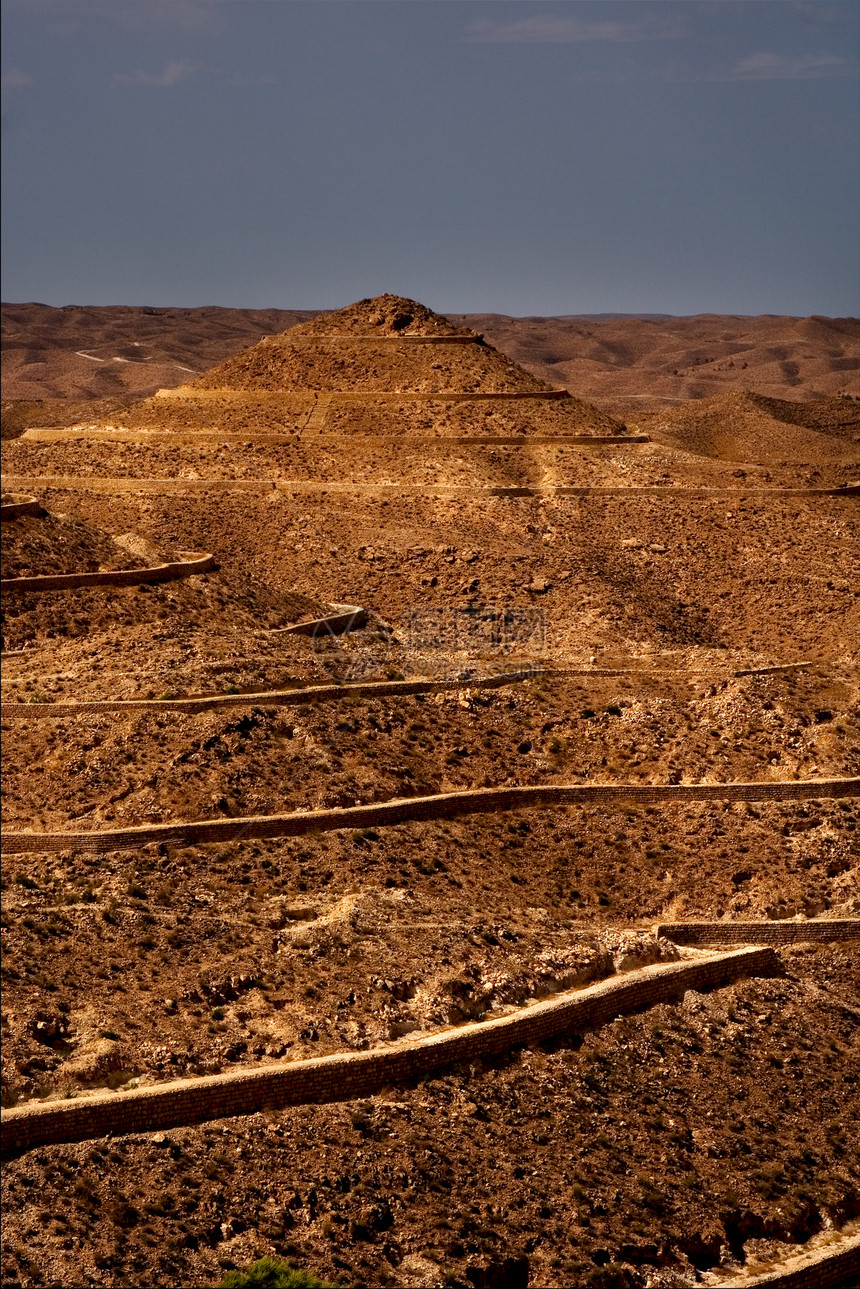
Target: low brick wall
{"type": "Point", "coordinates": [308, 397]}
{"type": "Point", "coordinates": [21, 506]}
{"type": "Point", "coordinates": [783, 932]}
{"type": "Point", "coordinates": [357, 1074]}
{"type": "Point", "coordinates": [347, 618]}
{"type": "Point", "coordinates": [109, 485]}
{"type": "Point", "coordinates": [315, 341]}
{"type": "Point", "coordinates": [445, 805]}
{"type": "Point", "coordinates": [668, 490]}
{"type": "Point", "coordinates": [123, 484]}
{"type": "Point", "coordinates": [441, 395]}
{"type": "Point", "coordinates": [839, 1269]}
{"type": "Point", "coordinates": [51, 435]}
{"type": "Point", "coordinates": [111, 577]}
{"type": "Point", "coordinates": [265, 698]}
{"type": "Point", "coordinates": [771, 671]}
{"type": "Point", "coordinates": [332, 693]}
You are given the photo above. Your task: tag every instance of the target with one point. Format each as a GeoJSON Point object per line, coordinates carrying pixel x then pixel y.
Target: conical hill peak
{"type": "Point", "coordinates": [384, 315]}
{"type": "Point", "coordinates": [331, 354]}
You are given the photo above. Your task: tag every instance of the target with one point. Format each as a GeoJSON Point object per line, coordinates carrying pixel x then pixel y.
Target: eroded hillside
{"type": "Point", "coordinates": [432, 574]}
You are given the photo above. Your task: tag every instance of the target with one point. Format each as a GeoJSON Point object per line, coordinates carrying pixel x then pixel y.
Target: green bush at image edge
{"type": "Point", "coordinates": [269, 1273]}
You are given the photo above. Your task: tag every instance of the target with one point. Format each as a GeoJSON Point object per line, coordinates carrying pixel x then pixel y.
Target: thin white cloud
{"type": "Point", "coordinates": [193, 17]}
{"type": "Point", "coordinates": [787, 67]}
{"type": "Point", "coordinates": [15, 79]}
{"type": "Point", "coordinates": [172, 74]}
{"type": "Point", "coordinates": [547, 29]}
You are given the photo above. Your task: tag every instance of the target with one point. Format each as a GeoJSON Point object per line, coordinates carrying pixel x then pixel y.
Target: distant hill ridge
{"type": "Point", "coordinates": [628, 364]}
{"type": "Point", "coordinates": [384, 366]}
{"type": "Point", "coordinates": [744, 425]}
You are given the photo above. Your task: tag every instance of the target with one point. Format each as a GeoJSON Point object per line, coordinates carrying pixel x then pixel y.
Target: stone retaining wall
{"type": "Point", "coordinates": [119, 435]}
{"type": "Point", "coordinates": [193, 393]}
{"type": "Point", "coordinates": [134, 483]}
{"type": "Point", "coordinates": [839, 1269]}
{"type": "Point", "coordinates": [445, 805]}
{"type": "Point", "coordinates": [332, 693]}
{"type": "Point", "coordinates": [22, 506]}
{"type": "Point", "coordinates": [357, 1074]}
{"type": "Point", "coordinates": [397, 338]}
{"type": "Point", "coordinates": [347, 618]}
{"type": "Point", "coordinates": [783, 932]}
{"type": "Point", "coordinates": [266, 698]}
{"type": "Point", "coordinates": [105, 484]}
{"type": "Point", "coordinates": [437, 396]}
{"type": "Point", "coordinates": [111, 577]}
{"type": "Point", "coordinates": [668, 490]}
{"type": "Point", "coordinates": [771, 671]}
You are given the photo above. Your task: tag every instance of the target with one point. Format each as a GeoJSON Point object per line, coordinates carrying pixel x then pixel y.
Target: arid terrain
{"type": "Point", "coordinates": [632, 366]}
{"type": "Point", "coordinates": [612, 557]}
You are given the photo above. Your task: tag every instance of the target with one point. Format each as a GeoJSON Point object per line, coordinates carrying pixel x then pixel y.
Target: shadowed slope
{"type": "Point", "coordinates": [745, 426]}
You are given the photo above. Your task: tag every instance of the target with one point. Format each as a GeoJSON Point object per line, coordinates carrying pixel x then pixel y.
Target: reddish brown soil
{"type": "Point", "coordinates": [631, 365]}
{"type": "Point", "coordinates": [628, 365]}
{"type": "Point", "coordinates": [659, 1145]}
{"type": "Point", "coordinates": [134, 350]}
{"type": "Point", "coordinates": [694, 1136]}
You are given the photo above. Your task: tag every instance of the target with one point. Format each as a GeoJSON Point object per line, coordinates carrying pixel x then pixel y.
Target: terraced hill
{"type": "Point", "coordinates": [483, 687]}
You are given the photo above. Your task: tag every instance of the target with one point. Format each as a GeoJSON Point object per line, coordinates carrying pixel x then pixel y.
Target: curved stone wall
{"type": "Point", "coordinates": [836, 1269]}
{"type": "Point", "coordinates": [445, 805]}
{"type": "Point", "coordinates": [112, 577]}
{"type": "Point", "coordinates": [356, 1074]}
{"type": "Point", "coordinates": [346, 618]}
{"type": "Point", "coordinates": [20, 506]}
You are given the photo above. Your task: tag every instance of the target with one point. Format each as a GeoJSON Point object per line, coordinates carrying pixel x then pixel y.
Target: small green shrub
{"type": "Point", "coordinates": [270, 1273]}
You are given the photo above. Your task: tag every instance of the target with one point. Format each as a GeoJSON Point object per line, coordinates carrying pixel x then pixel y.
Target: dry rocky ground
{"type": "Point", "coordinates": [680, 1143]}
{"type": "Point", "coordinates": [629, 365]}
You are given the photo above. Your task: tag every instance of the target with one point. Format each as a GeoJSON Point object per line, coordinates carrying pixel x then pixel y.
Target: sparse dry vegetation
{"type": "Point", "coordinates": [699, 1135]}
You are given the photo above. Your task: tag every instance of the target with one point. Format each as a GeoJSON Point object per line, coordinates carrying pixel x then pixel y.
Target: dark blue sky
{"type": "Point", "coordinates": [522, 158]}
